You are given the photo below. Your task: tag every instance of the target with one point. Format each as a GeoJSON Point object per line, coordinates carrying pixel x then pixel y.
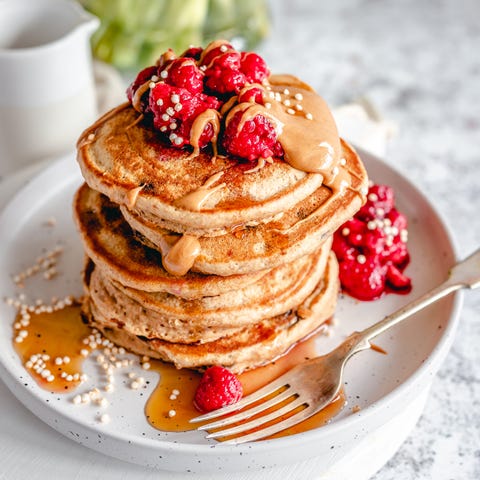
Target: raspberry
{"type": "Point", "coordinates": [254, 67]}
{"type": "Point", "coordinates": [252, 95]}
{"type": "Point", "coordinates": [183, 72]}
{"type": "Point", "coordinates": [397, 280]}
{"type": "Point", "coordinates": [223, 76]}
{"type": "Point", "coordinates": [256, 139]}
{"type": "Point", "coordinates": [380, 198]}
{"type": "Point", "coordinates": [363, 281]}
{"type": "Point", "coordinates": [192, 52]}
{"type": "Point", "coordinates": [215, 52]}
{"type": "Point", "coordinates": [144, 76]}
{"type": "Point", "coordinates": [217, 388]}
{"type": "Point", "coordinates": [174, 111]}
{"type": "Point", "coordinates": [371, 249]}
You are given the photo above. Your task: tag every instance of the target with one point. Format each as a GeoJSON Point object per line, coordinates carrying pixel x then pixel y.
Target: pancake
{"type": "Point", "coordinates": [169, 318]}
{"type": "Point", "coordinates": [112, 245]}
{"type": "Point", "coordinates": [249, 347]}
{"type": "Point", "coordinates": [123, 155]}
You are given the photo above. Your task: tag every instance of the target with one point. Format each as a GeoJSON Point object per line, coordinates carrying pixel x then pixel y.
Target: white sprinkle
{"type": "Point", "coordinates": [83, 377]}
{"type": "Point", "coordinates": [335, 170]}
{"type": "Point", "coordinates": [154, 78]}
{"type": "Point", "coordinates": [223, 48]}
{"type": "Point", "coordinates": [345, 231]}
{"type": "Point", "coordinates": [363, 190]}
{"type": "Point", "coordinates": [178, 141]}
{"type": "Point", "coordinates": [291, 111]}
{"type": "Point", "coordinates": [278, 97]}
{"type": "Point", "coordinates": [77, 399]}
{"type": "Point", "coordinates": [371, 225]}
{"type": "Point", "coordinates": [170, 111]}
{"type": "Point", "coordinates": [172, 413]}
{"type": "Point", "coordinates": [343, 162]}
{"type": "Point", "coordinates": [132, 375]}
{"type": "Point", "coordinates": [29, 364]}
{"type": "Point", "coordinates": [84, 352]}
{"type": "Point", "coordinates": [172, 126]}
{"type": "Point", "coordinates": [298, 107]}
{"type": "Point", "coordinates": [159, 102]}
{"type": "Point", "coordinates": [164, 74]}
{"type": "Point", "coordinates": [361, 259]}
{"type": "Point", "coordinates": [18, 339]}
{"type": "Point", "coordinates": [373, 197]}
{"type": "Point", "coordinates": [90, 136]}
{"type": "Point", "coordinates": [178, 107]}
{"type": "Point", "coordinates": [23, 333]}
{"type": "Point", "coordinates": [66, 359]}
{"type": "Point", "coordinates": [287, 103]}
{"type": "Point", "coordinates": [268, 105]}
{"type": "Point", "coordinates": [121, 351]}
{"type": "Point", "coordinates": [105, 417]}
{"type": "Point", "coordinates": [134, 385]}
{"type": "Point", "coordinates": [175, 98]}
{"type": "Point", "coordinates": [165, 117]}
{"type": "Point", "coordinates": [298, 96]}
{"type": "Point", "coordinates": [58, 361]}
{"type": "Point", "coordinates": [69, 378]}
{"type": "Point", "coordinates": [163, 128]}
{"type": "Point", "coordinates": [176, 392]}
{"type": "Point", "coordinates": [85, 398]}
{"type": "Point", "coordinates": [151, 85]}
{"type": "Point", "coordinates": [380, 212]}
{"type": "Point", "coordinates": [109, 387]}
{"type": "Point", "coordinates": [146, 366]}
{"type": "Point", "coordinates": [102, 402]}
{"type": "Point", "coordinates": [172, 397]}
{"type": "Point", "coordinates": [203, 68]}
{"type": "Point", "coordinates": [309, 116]}
{"type": "Point", "coordinates": [50, 378]}
{"type": "Point", "coordinates": [286, 91]}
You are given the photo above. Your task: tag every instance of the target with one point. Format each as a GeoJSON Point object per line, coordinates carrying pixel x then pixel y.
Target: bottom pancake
{"type": "Point", "coordinates": [250, 346]}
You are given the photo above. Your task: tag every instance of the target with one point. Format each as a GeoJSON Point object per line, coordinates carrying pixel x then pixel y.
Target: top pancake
{"type": "Point", "coordinates": [117, 155]}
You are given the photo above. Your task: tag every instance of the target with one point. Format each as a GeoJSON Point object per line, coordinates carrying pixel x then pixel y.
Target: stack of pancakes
{"type": "Point", "coordinates": [205, 261]}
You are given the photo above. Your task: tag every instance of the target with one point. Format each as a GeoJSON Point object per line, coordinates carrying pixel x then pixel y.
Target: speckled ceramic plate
{"type": "Point", "coordinates": [383, 386]}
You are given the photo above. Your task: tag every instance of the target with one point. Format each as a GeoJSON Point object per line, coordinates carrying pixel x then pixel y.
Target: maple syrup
{"type": "Point", "coordinates": [170, 407]}
{"type": "Point", "coordinates": [58, 334]}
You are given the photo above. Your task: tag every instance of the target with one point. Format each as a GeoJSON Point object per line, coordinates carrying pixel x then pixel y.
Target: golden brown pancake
{"type": "Point", "coordinates": [250, 346]}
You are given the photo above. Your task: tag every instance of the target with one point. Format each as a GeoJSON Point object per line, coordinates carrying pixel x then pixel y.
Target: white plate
{"type": "Point", "coordinates": [384, 386]}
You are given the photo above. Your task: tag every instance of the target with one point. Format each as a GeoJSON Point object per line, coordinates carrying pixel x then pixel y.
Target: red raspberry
{"type": "Point", "coordinates": [192, 52]}
{"type": "Point", "coordinates": [215, 52]}
{"type": "Point", "coordinates": [380, 198]}
{"type": "Point", "coordinates": [174, 111]}
{"type": "Point", "coordinates": [256, 139]}
{"type": "Point", "coordinates": [365, 281]}
{"type": "Point", "coordinates": [254, 67]}
{"type": "Point", "coordinates": [217, 388]}
{"type": "Point", "coordinates": [397, 280]}
{"type": "Point", "coordinates": [144, 76]}
{"type": "Point", "coordinates": [184, 73]}
{"type": "Point", "coordinates": [252, 95]}
{"type": "Point", "coordinates": [223, 75]}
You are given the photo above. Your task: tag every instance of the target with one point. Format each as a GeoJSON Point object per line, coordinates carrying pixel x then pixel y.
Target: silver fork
{"type": "Point", "coordinates": [314, 384]}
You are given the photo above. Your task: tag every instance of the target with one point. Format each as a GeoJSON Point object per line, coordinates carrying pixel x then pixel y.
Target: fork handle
{"type": "Point", "coordinates": [465, 274]}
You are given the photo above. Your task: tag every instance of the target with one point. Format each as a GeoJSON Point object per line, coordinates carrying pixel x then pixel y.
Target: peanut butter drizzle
{"type": "Point", "coordinates": [309, 136]}
{"type": "Point", "coordinates": [209, 116]}
{"type": "Point", "coordinates": [211, 46]}
{"type": "Point", "coordinates": [195, 200]}
{"type": "Point", "coordinates": [132, 196]}
{"type": "Point", "coordinates": [181, 256]}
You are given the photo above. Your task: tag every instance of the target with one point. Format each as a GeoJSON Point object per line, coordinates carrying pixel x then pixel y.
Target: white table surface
{"type": "Point", "coordinates": [418, 62]}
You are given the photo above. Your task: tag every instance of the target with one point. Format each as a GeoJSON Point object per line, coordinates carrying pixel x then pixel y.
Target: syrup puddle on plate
{"type": "Point", "coordinates": [61, 335]}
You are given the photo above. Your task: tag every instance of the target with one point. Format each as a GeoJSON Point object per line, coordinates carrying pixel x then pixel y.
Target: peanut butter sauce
{"type": "Point", "coordinates": [181, 256]}
{"type": "Point", "coordinates": [209, 116]}
{"type": "Point", "coordinates": [195, 200]}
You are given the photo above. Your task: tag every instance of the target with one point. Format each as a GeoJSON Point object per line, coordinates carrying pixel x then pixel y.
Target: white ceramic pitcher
{"type": "Point", "coordinates": [46, 80]}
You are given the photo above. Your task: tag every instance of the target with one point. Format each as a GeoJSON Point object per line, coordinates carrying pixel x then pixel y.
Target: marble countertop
{"type": "Point", "coordinates": [417, 63]}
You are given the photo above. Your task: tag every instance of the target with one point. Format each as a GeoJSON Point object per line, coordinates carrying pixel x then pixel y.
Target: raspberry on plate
{"type": "Point", "coordinates": [217, 388]}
